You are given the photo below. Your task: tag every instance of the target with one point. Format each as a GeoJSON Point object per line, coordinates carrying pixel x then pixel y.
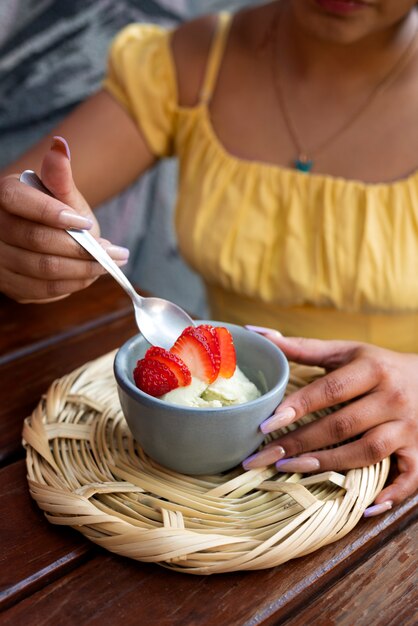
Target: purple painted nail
{"type": "Point", "coordinates": [298, 464]}
{"type": "Point", "coordinates": [117, 252]}
{"type": "Point", "coordinates": [265, 457]}
{"type": "Point", "coordinates": [71, 219]}
{"type": "Point", "coordinates": [61, 145]}
{"type": "Point", "coordinates": [377, 509]}
{"type": "Point", "coordinates": [262, 330]}
{"type": "Point", "coordinates": [281, 418]}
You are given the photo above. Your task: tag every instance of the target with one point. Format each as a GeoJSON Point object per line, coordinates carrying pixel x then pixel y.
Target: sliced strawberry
{"type": "Point", "coordinates": [154, 377]}
{"type": "Point", "coordinates": [227, 349]}
{"type": "Point", "coordinates": [173, 362]}
{"type": "Point", "coordinates": [194, 350]}
{"type": "Point", "coordinates": [211, 337]}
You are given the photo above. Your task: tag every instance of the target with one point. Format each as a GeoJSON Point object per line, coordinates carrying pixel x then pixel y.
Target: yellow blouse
{"type": "Point", "coordinates": [311, 255]}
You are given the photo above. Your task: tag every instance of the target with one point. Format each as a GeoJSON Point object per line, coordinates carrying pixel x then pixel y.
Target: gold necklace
{"type": "Point", "coordinates": [304, 162]}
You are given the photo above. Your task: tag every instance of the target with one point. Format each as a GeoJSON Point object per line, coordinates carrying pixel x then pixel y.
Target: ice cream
{"type": "Point", "coordinates": [222, 392]}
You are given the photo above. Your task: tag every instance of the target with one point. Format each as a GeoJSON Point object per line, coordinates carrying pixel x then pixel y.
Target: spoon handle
{"type": "Point", "coordinates": [87, 241]}
{"type": "Point", "coordinates": [93, 247]}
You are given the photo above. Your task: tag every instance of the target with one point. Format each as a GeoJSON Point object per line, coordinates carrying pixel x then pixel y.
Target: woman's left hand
{"type": "Point", "coordinates": [382, 387]}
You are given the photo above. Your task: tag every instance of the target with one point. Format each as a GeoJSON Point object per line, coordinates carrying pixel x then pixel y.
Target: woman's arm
{"type": "Point", "coordinates": [379, 419]}
{"type": "Point", "coordinates": [38, 260]}
{"type": "Point", "coordinates": [108, 149]}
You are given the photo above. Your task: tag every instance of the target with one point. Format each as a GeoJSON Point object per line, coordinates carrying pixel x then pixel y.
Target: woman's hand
{"type": "Point", "coordinates": [39, 261]}
{"type": "Point", "coordinates": [382, 388]}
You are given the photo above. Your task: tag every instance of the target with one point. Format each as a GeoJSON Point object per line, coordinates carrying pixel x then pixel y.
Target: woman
{"type": "Point", "coordinates": [298, 202]}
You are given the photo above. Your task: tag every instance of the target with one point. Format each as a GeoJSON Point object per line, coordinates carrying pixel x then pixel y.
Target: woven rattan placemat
{"type": "Point", "coordinates": [86, 471]}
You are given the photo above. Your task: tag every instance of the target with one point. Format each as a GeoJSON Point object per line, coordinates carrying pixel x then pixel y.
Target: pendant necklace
{"type": "Point", "coordinates": [304, 162]}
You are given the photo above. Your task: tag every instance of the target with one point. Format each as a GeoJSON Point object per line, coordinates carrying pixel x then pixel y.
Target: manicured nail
{"type": "Point", "coordinates": [263, 331]}
{"type": "Point", "coordinates": [265, 457]}
{"type": "Point", "coordinates": [298, 464]}
{"type": "Point", "coordinates": [117, 252]}
{"type": "Point", "coordinates": [71, 219]}
{"type": "Point", "coordinates": [377, 509]}
{"type": "Point", "coordinates": [60, 145]}
{"type": "Point", "coordinates": [281, 418]}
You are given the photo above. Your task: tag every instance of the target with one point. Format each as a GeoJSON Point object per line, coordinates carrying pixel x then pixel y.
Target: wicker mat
{"type": "Point", "coordinates": [86, 471]}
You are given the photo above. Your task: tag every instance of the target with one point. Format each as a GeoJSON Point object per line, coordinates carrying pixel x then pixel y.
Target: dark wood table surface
{"type": "Point", "coordinates": [53, 575]}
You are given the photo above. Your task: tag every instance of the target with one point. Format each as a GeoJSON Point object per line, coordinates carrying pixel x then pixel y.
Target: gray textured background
{"type": "Point", "coordinates": [52, 56]}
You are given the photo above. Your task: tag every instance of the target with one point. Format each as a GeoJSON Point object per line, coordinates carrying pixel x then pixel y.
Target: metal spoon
{"type": "Point", "coordinates": [160, 321]}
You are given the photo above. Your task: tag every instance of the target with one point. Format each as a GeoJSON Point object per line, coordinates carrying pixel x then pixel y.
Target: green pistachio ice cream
{"type": "Point", "coordinates": [223, 392]}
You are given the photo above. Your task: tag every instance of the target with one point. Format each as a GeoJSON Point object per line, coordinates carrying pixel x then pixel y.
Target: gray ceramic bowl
{"type": "Point", "coordinates": [199, 440]}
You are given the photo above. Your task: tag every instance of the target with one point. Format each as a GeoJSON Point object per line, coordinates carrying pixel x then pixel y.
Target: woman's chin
{"type": "Point", "coordinates": [327, 21]}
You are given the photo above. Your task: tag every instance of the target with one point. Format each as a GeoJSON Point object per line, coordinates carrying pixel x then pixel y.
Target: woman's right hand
{"type": "Point", "coordinates": [39, 261]}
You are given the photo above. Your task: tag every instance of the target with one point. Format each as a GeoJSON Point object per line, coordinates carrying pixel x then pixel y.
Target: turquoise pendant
{"type": "Point", "coordinates": [303, 164]}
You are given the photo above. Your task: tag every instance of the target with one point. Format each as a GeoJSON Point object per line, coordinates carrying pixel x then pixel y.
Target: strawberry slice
{"type": "Point", "coordinates": [194, 350]}
{"type": "Point", "coordinates": [211, 337]}
{"type": "Point", "coordinates": [173, 362]}
{"type": "Point", "coordinates": [227, 349]}
{"type": "Point", "coordinates": [154, 377]}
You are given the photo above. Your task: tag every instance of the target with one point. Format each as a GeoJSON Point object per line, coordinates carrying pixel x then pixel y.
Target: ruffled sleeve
{"type": "Point", "coordinates": [141, 77]}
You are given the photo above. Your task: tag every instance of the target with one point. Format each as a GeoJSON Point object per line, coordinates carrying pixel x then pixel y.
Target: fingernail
{"type": "Point", "coordinates": [265, 457]}
{"type": "Point", "coordinates": [262, 330]}
{"type": "Point", "coordinates": [60, 145]}
{"type": "Point", "coordinates": [71, 219]}
{"type": "Point", "coordinates": [117, 252]}
{"type": "Point", "coordinates": [377, 509]}
{"type": "Point", "coordinates": [298, 464]}
{"type": "Point", "coordinates": [281, 418]}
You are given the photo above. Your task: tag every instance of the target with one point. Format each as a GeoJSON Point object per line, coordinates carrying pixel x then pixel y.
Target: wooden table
{"type": "Point", "coordinates": [52, 575]}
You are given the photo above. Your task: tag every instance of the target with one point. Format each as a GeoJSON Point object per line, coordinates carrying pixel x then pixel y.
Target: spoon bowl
{"type": "Point", "coordinates": [159, 321]}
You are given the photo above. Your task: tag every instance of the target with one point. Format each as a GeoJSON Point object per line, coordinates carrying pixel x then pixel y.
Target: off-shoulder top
{"type": "Point", "coordinates": [309, 254]}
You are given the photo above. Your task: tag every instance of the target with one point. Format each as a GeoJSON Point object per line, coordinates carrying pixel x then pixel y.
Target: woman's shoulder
{"type": "Point", "coordinates": [191, 45]}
